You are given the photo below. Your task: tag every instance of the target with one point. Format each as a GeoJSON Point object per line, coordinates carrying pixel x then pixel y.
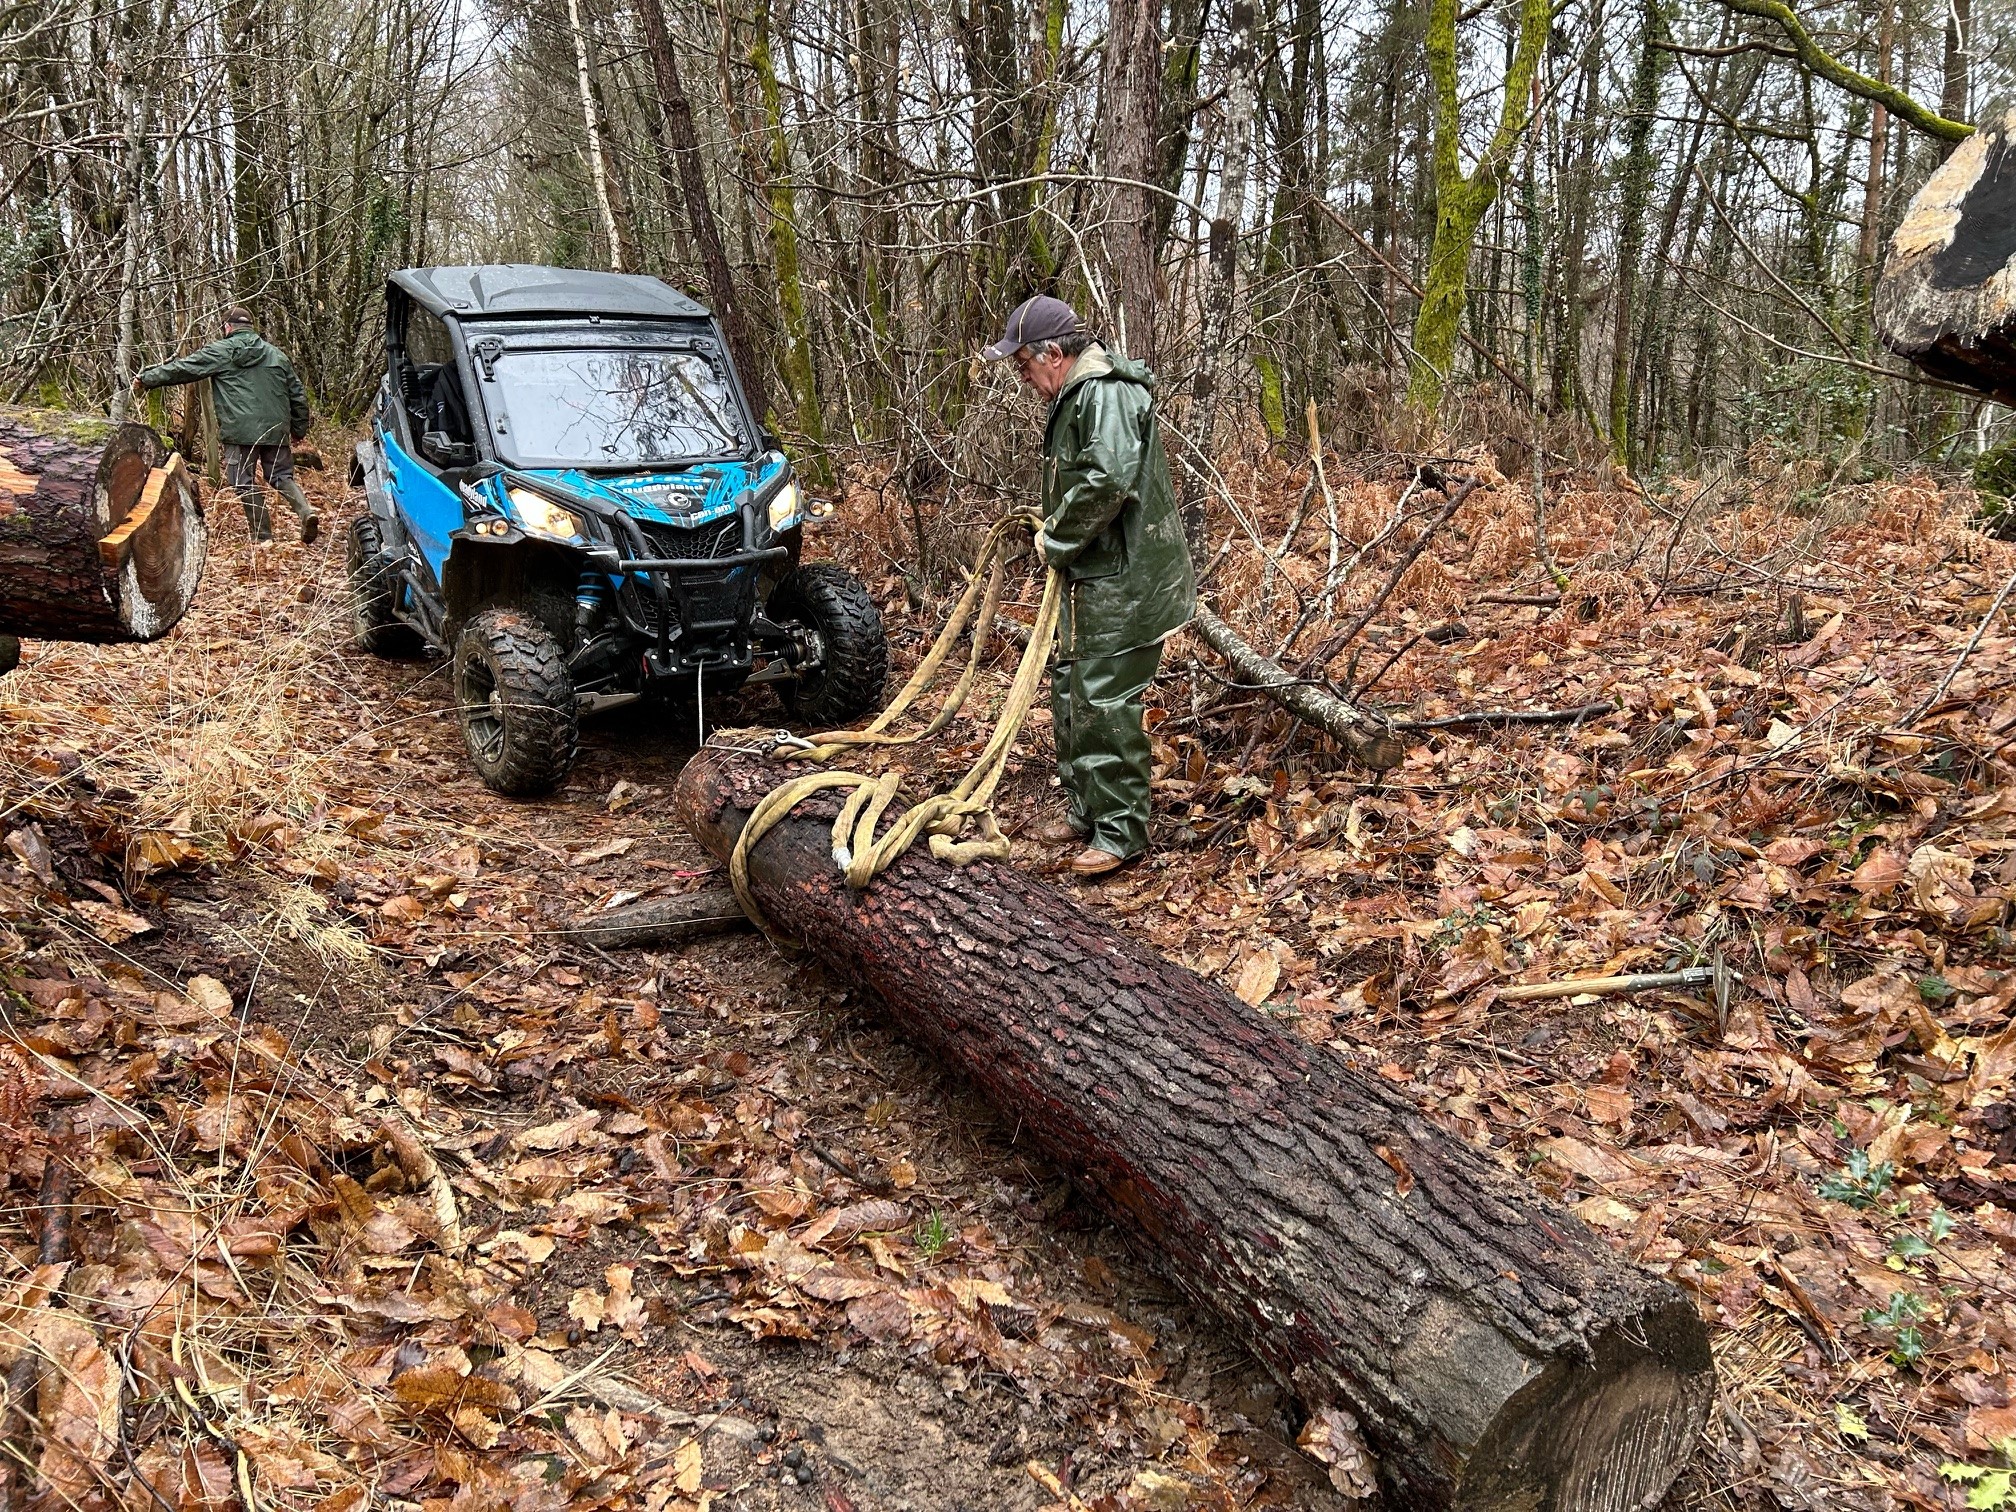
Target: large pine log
{"type": "Point", "coordinates": [1496, 1353]}
{"type": "Point", "coordinates": [101, 529]}
{"type": "Point", "coordinates": [1947, 297]}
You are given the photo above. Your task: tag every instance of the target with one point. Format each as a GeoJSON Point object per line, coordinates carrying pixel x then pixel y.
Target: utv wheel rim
{"type": "Point", "coordinates": [482, 711]}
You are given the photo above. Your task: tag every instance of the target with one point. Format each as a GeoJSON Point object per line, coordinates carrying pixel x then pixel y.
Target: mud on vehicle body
{"type": "Point", "coordinates": [566, 493]}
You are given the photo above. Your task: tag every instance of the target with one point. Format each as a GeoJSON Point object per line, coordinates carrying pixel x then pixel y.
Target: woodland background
{"type": "Point", "coordinates": [436, 1207]}
{"type": "Point", "coordinates": [1636, 228]}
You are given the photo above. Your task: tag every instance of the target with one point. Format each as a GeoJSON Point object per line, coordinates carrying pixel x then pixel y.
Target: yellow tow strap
{"type": "Point", "coordinates": [858, 851]}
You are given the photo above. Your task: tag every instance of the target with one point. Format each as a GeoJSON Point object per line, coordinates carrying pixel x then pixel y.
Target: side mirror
{"type": "Point", "coordinates": [438, 448]}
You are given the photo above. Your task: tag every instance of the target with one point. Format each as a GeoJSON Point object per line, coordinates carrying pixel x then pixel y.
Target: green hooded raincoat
{"type": "Point", "coordinates": [1110, 522]}
{"type": "Point", "coordinates": [1110, 525]}
{"type": "Point", "coordinates": [259, 399]}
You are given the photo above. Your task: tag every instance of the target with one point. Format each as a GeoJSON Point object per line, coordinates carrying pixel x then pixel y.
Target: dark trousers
{"type": "Point", "coordinates": [242, 467]}
{"type": "Point", "coordinates": [1102, 749]}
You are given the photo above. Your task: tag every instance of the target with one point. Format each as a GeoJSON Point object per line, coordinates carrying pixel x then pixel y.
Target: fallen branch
{"type": "Point", "coordinates": [1322, 655]}
{"type": "Point", "coordinates": [17, 1413]}
{"type": "Point", "coordinates": [1533, 992]}
{"type": "Point", "coordinates": [668, 921]}
{"type": "Point", "coordinates": [1508, 717]}
{"type": "Point", "coordinates": [1367, 737]}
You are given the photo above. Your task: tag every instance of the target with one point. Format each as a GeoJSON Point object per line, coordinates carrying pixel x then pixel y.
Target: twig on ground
{"type": "Point", "coordinates": [1412, 554]}
{"type": "Point", "coordinates": [1959, 661]}
{"type": "Point", "coordinates": [1533, 992]}
{"type": "Point", "coordinates": [53, 1248]}
{"type": "Point", "coordinates": [1508, 717]}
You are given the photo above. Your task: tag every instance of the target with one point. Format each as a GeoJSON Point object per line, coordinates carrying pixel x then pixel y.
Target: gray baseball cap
{"type": "Point", "coordinates": [1033, 320]}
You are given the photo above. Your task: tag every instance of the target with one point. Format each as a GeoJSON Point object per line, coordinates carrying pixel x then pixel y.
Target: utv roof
{"type": "Point", "coordinates": [528, 289]}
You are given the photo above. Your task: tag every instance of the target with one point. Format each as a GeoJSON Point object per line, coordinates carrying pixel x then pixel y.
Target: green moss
{"type": "Point", "coordinates": [79, 430]}
{"type": "Point", "coordinates": [1995, 472]}
{"type": "Point", "coordinates": [1273, 407]}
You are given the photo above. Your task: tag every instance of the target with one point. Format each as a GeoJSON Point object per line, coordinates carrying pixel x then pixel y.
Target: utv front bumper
{"type": "Point", "coordinates": [688, 592]}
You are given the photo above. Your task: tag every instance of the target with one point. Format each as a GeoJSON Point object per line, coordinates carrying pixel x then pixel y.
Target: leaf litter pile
{"type": "Point", "coordinates": [337, 1174]}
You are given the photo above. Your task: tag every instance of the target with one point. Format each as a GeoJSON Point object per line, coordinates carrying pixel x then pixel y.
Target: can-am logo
{"type": "Point", "coordinates": [660, 492]}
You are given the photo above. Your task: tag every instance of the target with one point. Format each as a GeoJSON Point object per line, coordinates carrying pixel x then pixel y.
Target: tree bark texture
{"type": "Point", "coordinates": [1215, 357]}
{"type": "Point", "coordinates": [1495, 1352]}
{"type": "Point", "coordinates": [70, 569]}
{"type": "Point", "coordinates": [1366, 737]}
{"type": "Point", "coordinates": [1947, 297]}
{"type": "Point", "coordinates": [1128, 134]}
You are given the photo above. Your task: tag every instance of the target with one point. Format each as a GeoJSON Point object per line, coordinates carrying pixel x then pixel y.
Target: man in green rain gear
{"type": "Point", "coordinates": [1111, 526]}
{"type": "Point", "coordinates": [260, 406]}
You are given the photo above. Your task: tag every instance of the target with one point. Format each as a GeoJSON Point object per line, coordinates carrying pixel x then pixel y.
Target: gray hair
{"type": "Point", "coordinates": [1071, 345]}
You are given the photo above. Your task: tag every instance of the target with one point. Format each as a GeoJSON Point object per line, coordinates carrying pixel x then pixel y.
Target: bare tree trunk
{"type": "Point", "coordinates": [1129, 130]}
{"type": "Point", "coordinates": [598, 168]}
{"type": "Point", "coordinates": [1956, 88]}
{"type": "Point", "coordinates": [1221, 292]}
{"type": "Point", "coordinates": [123, 367]}
{"type": "Point", "coordinates": [1867, 248]}
{"type": "Point", "coordinates": [706, 230]}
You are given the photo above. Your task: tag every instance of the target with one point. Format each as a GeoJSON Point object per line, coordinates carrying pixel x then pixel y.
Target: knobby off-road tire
{"type": "Point", "coordinates": [372, 624]}
{"type": "Point", "coordinates": [849, 682]}
{"type": "Point", "coordinates": [516, 702]}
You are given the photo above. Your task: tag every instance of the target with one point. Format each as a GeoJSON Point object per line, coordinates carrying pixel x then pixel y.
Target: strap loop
{"type": "Point", "coordinates": [858, 852]}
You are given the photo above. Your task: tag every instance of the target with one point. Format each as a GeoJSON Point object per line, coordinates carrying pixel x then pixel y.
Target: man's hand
{"type": "Point", "coordinates": [138, 386]}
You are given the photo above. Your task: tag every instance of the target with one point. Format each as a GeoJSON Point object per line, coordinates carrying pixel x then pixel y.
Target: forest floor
{"type": "Point", "coordinates": [379, 1191]}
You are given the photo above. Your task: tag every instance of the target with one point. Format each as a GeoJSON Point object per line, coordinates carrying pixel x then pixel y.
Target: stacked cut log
{"type": "Point", "coordinates": [1947, 297]}
{"type": "Point", "coordinates": [1494, 1352]}
{"type": "Point", "coordinates": [102, 536]}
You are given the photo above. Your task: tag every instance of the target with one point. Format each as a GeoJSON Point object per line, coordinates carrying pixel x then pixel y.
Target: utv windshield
{"type": "Point", "coordinates": [615, 407]}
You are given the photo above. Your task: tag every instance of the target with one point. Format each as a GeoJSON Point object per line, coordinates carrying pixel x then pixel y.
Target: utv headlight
{"type": "Point", "coordinates": [541, 516]}
{"type": "Point", "coordinates": [784, 506]}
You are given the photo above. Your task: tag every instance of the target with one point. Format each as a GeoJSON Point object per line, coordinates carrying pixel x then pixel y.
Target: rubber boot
{"type": "Point", "coordinates": [311, 522]}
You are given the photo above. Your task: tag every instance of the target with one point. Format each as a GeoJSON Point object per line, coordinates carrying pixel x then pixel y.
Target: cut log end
{"type": "Point", "coordinates": [1496, 1353]}
{"type": "Point", "coordinates": [102, 536]}
{"type": "Point", "coordinates": [1947, 297]}
{"type": "Point", "coordinates": [1608, 1434]}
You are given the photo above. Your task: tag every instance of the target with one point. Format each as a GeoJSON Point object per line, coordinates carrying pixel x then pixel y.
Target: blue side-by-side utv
{"type": "Point", "coordinates": [567, 494]}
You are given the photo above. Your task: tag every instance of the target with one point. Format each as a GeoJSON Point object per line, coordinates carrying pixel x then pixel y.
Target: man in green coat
{"type": "Point", "coordinates": [1110, 525]}
{"type": "Point", "coordinates": [260, 406]}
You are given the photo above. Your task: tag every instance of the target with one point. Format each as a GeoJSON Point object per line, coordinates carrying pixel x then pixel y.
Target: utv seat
{"type": "Point", "coordinates": [447, 409]}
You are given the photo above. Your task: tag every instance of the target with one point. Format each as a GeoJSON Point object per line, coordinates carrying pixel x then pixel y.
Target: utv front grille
{"type": "Point", "coordinates": [704, 543]}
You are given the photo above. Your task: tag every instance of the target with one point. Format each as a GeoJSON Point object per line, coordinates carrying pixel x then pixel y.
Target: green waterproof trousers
{"type": "Point", "coordinates": [1102, 749]}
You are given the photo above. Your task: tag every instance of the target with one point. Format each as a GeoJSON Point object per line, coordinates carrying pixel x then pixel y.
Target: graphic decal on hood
{"type": "Point", "coordinates": [693, 496]}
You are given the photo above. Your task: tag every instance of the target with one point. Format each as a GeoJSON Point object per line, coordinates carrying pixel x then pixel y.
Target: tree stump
{"type": "Point", "coordinates": [1947, 297]}
{"type": "Point", "coordinates": [1495, 1353]}
{"type": "Point", "coordinates": [102, 535]}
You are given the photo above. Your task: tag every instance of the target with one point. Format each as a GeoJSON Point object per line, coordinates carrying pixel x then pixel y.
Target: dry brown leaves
{"type": "Point", "coordinates": [405, 1256]}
